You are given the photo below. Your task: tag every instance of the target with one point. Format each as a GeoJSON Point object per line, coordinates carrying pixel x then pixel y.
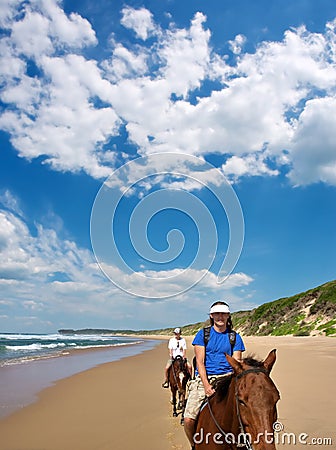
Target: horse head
{"type": "Point", "coordinates": [256, 397]}
{"type": "Point", "coordinates": [179, 363]}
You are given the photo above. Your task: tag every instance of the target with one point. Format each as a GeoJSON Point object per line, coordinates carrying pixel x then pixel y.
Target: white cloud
{"type": "Point", "coordinates": [8, 11]}
{"type": "Point", "coordinates": [265, 106]}
{"type": "Point", "coordinates": [62, 109]}
{"type": "Point", "coordinates": [174, 281]}
{"type": "Point", "coordinates": [250, 165]}
{"type": "Point", "coordinates": [237, 44]}
{"type": "Point", "coordinates": [138, 20]}
{"type": "Point", "coordinates": [185, 56]}
{"type": "Point", "coordinates": [69, 31]}
{"type": "Point", "coordinates": [125, 63]}
{"type": "Point", "coordinates": [30, 35]}
{"type": "Point", "coordinates": [41, 272]}
{"type": "Point", "coordinates": [55, 114]}
{"type": "Point", "coordinates": [10, 202]}
{"type": "Point", "coordinates": [313, 153]}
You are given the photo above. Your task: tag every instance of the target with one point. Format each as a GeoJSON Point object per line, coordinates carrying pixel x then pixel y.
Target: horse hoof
{"type": "Point", "coordinates": [175, 414]}
{"type": "Point", "coordinates": [182, 421]}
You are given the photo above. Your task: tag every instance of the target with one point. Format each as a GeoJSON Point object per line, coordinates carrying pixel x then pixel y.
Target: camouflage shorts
{"type": "Point", "coordinates": [196, 395]}
{"type": "Point", "coordinates": [195, 398]}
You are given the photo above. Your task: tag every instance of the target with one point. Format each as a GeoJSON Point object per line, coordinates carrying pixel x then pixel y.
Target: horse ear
{"type": "Point", "coordinates": [270, 360]}
{"type": "Point", "coordinates": [236, 366]}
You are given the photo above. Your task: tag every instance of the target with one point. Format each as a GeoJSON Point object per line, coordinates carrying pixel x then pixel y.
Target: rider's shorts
{"type": "Point", "coordinates": [169, 362]}
{"type": "Point", "coordinates": [196, 395]}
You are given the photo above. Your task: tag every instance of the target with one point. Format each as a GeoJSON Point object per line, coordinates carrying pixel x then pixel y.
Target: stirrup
{"type": "Point", "coordinates": [165, 384]}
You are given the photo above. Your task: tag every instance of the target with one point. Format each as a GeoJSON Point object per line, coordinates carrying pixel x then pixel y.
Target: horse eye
{"type": "Point", "coordinates": [241, 402]}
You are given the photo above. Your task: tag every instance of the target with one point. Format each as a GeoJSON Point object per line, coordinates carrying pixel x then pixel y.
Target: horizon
{"type": "Point", "coordinates": [158, 157]}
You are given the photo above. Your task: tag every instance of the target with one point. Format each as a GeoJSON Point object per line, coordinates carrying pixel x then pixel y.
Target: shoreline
{"type": "Point", "coordinates": [120, 405]}
{"type": "Point", "coordinates": [20, 384]}
{"type": "Point", "coordinates": [94, 409]}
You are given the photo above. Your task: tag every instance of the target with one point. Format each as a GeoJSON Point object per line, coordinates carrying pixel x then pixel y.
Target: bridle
{"type": "Point", "coordinates": [246, 443]}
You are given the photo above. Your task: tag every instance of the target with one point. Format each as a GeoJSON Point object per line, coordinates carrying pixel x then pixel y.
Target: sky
{"type": "Point", "coordinates": [159, 156]}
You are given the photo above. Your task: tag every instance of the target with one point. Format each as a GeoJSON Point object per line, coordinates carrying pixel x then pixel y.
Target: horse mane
{"type": "Point", "coordinates": [222, 384]}
{"type": "Point", "coordinates": [250, 360]}
{"type": "Point", "coordinates": [222, 387]}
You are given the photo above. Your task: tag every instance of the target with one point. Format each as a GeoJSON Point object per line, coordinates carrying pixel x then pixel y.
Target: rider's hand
{"type": "Point", "coordinates": [209, 390]}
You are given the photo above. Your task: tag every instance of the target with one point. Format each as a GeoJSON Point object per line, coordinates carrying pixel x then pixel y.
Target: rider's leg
{"type": "Point", "coordinates": [165, 383]}
{"type": "Point", "coordinates": [166, 373]}
{"type": "Point", "coordinates": [190, 429]}
{"type": "Point", "coordinates": [196, 396]}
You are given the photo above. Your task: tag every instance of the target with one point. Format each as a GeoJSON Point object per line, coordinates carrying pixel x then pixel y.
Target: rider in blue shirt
{"type": "Point", "coordinates": [218, 345]}
{"type": "Point", "coordinates": [211, 362]}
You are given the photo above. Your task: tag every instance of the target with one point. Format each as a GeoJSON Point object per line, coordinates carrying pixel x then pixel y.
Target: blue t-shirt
{"type": "Point", "coordinates": [218, 345]}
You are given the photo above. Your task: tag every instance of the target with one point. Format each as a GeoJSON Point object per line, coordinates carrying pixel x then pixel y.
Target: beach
{"type": "Point", "coordinates": [121, 405]}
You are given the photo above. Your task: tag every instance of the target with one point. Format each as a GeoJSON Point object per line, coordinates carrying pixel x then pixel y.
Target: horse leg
{"type": "Point", "coordinates": [179, 403]}
{"type": "Point", "coordinates": [183, 403]}
{"type": "Point", "coordinates": [174, 401]}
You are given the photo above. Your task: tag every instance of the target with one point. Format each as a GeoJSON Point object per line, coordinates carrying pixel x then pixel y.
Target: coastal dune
{"type": "Point", "coordinates": [121, 405]}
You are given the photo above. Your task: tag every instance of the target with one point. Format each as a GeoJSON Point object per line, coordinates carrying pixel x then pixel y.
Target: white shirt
{"type": "Point", "coordinates": [177, 345]}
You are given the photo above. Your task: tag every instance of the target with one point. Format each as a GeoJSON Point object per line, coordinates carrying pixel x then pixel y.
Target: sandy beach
{"type": "Point", "coordinates": [121, 405]}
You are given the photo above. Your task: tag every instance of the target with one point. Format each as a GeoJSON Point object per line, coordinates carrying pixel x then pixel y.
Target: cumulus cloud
{"type": "Point", "coordinates": [249, 165]}
{"type": "Point", "coordinates": [237, 44]}
{"type": "Point", "coordinates": [269, 105]}
{"type": "Point", "coordinates": [52, 112]}
{"type": "Point", "coordinates": [35, 262]}
{"type": "Point", "coordinates": [125, 63]}
{"type": "Point", "coordinates": [175, 281]}
{"type": "Point", "coordinates": [313, 151]}
{"type": "Point", "coordinates": [138, 20]}
{"type": "Point", "coordinates": [42, 272]}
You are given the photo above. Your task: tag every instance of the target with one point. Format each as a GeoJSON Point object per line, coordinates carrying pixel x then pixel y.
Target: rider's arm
{"type": "Point", "coordinates": [184, 347]}
{"type": "Point", "coordinates": [238, 355]}
{"type": "Point", "coordinates": [170, 348]}
{"type": "Point", "coordinates": [200, 357]}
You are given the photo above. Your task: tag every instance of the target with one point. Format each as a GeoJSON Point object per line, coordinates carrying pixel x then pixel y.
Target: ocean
{"type": "Point", "coordinates": [22, 348]}
{"type": "Point", "coordinates": [30, 363]}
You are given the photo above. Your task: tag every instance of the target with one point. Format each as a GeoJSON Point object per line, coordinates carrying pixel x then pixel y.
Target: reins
{"type": "Point", "coordinates": [247, 443]}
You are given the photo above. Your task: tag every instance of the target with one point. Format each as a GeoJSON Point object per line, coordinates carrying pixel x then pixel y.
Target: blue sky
{"type": "Point", "coordinates": [177, 109]}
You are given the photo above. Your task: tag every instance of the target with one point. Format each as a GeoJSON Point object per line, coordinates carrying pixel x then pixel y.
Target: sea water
{"type": "Point", "coordinates": [32, 362]}
{"type": "Point", "coordinates": [22, 348]}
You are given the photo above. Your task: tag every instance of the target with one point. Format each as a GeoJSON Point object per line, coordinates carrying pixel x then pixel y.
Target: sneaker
{"type": "Point", "coordinates": [165, 384]}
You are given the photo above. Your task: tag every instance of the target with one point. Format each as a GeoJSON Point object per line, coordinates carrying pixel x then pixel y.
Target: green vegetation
{"type": "Point", "coordinates": [299, 315]}
{"type": "Point", "coordinates": [328, 328]}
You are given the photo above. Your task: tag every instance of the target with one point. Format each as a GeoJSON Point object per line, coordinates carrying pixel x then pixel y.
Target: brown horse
{"type": "Point", "coordinates": [243, 409]}
{"type": "Point", "coordinates": [178, 378]}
